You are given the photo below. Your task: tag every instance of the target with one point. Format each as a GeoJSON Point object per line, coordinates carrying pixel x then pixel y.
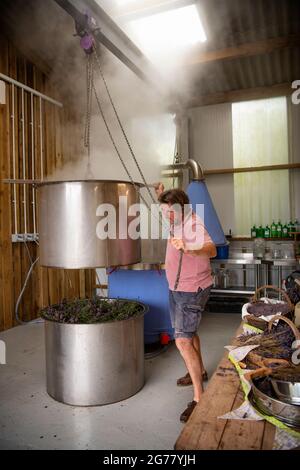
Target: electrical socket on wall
{"type": "Point", "coordinates": [2, 92]}
{"type": "Point", "coordinates": [28, 237]}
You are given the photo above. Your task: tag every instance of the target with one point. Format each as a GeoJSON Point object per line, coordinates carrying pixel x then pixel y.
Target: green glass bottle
{"type": "Point", "coordinates": [285, 231]}
{"type": "Point", "coordinates": [290, 229]}
{"type": "Point", "coordinates": [267, 232]}
{"type": "Point", "coordinates": [253, 231]}
{"type": "Point", "coordinates": [260, 232]}
{"type": "Point", "coordinates": [279, 230]}
{"type": "Point", "coordinates": [273, 230]}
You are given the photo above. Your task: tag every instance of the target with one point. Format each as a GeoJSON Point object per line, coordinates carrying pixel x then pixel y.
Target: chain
{"type": "Point", "coordinates": [115, 145]}
{"type": "Point", "coordinates": [121, 126]}
{"type": "Point", "coordinates": [131, 152]}
{"type": "Point", "coordinates": [88, 117]}
{"type": "Point", "coordinates": [175, 158]}
{"type": "Point", "coordinates": [137, 188]}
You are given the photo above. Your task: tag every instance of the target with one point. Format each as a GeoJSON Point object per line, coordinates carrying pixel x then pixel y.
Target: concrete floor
{"type": "Point", "coordinates": [30, 419]}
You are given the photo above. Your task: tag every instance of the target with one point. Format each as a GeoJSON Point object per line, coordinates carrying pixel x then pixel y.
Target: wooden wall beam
{"type": "Point", "coordinates": [247, 94]}
{"type": "Point", "coordinates": [243, 50]}
{"type": "Point", "coordinates": [230, 171]}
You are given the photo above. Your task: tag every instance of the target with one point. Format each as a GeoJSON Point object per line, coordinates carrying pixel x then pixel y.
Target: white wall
{"type": "Point", "coordinates": [211, 145]}
{"type": "Point", "coordinates": [295, 157]}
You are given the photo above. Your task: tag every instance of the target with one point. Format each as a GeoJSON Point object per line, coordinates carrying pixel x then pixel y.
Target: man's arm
{"type": "Point", "coordinates": [208, 249]}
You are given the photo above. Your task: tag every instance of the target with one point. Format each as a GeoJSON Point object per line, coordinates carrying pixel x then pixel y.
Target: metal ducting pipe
{"type": "Point", "coordinates": [196, 168]}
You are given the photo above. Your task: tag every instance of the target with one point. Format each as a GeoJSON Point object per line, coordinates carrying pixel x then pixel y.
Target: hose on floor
{"type": "Point", "coordinates": [17, 317]}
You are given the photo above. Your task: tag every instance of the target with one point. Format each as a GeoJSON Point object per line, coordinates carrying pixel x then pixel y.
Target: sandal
{"type": "Point", "coordinates": [188, 411]}
{"type": "Point", "coordinates": [186, 380]}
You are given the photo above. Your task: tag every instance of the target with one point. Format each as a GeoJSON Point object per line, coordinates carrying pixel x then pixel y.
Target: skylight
{"type": "Point", "coordinates": [124, 2]}
{"type": "Point", "coordinates": [172, 30]}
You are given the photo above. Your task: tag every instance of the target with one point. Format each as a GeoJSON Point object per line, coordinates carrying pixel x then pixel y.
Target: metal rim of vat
{"type": "Point", "coordinates": [285, 412]}
{"type": "Point", "coordinates": [48, 182]}
{"type": "Point", "coordinates": [288, 392]}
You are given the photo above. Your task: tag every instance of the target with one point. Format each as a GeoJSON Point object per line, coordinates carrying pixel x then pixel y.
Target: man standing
{"type": "Point", "coordinates": [188, 273]}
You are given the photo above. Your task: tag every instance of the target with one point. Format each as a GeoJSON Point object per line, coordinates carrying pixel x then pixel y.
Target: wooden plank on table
{"type": "Point", "coordinates": [268, 437]}
{"type": "Point", "coordinates": [242, 434]}
{"type": "Point", "coordinates": [204, 431]}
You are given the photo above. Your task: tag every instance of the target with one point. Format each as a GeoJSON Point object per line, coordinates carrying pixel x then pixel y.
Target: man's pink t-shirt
{"type": "Point", "coordinates": [195, 270]}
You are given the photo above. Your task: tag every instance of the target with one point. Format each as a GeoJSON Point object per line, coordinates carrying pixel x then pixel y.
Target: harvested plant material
{"type": "Point", "coordinates": [260, 308]}
{"type": "Point", "coordinates": [95, 310]}
{"type": "Point", "coordinates": [289, 374]}
{"type": "Point", "coordinates": [274, 344]}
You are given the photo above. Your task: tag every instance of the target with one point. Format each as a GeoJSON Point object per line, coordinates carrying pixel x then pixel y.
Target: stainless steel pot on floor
{"type": "Point", "coordinates": [95, 364]}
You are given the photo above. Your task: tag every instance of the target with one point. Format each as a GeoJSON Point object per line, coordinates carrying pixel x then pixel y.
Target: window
{"type": "Point", "coordinates": [260, 137]}
{"type": "Point", "coordinates": [169, 31]}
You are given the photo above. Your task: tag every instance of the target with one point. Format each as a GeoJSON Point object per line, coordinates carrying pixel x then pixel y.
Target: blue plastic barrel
{"type": "Point", "coordinates": [222, 251]}
{"type": "Point", "coordinates": [151, 288]}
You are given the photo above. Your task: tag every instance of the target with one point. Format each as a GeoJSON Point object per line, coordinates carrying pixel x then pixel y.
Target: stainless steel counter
{"type": "Point", "coordinates": [242, 261]}
{"type": "Point", "coordinates": [281, 262]}
{"type": "Point", "coordinates": [259, 266]}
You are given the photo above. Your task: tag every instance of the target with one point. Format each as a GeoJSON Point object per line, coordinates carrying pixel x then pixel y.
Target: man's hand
{"type": "Point", "coordinates": [178, 244]}
{"type": "Point", "coordinates": [208, 249]}
{"type": "Point", "coordinates": [159, 188]}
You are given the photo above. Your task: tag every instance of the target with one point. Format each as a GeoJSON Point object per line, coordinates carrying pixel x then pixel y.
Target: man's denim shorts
{"type": "Point", "coordinates": [186, 311]}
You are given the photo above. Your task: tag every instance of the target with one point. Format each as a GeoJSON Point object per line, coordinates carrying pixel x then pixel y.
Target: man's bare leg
{"type": "Point", "coordinates": [186, 380]}
{"type": "Point", "coordinates": [197, 346]}
{"type": "Point", "coordinates": [191, 358]}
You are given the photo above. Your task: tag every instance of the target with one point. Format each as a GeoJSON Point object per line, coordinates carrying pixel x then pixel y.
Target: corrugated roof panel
{"type": "Point", "coordinates": [230, 23]}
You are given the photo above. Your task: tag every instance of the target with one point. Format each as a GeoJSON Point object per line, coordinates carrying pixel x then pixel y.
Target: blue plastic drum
{"type": "Point", "coordinates": [222, 251]}
{"type": "Point", "coordinates": [151, 288]}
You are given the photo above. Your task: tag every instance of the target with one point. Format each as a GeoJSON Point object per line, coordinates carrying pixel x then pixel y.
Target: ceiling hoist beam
{"type": "Point", "coordinates": [108, 33]}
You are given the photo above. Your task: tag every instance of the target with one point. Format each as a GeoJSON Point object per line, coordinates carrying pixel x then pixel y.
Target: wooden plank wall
{"type": "Point", "coordinates": [45, 286]}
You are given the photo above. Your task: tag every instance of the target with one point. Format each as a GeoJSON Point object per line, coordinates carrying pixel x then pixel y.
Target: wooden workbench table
{"type": "Point", "coordinates": [204, 431]}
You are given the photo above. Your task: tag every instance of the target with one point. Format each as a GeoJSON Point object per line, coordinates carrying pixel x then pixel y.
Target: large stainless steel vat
{"type": "Point", "coordinates": [95, 364]}
{"type": "Point", "coordinates": [68, 222]}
